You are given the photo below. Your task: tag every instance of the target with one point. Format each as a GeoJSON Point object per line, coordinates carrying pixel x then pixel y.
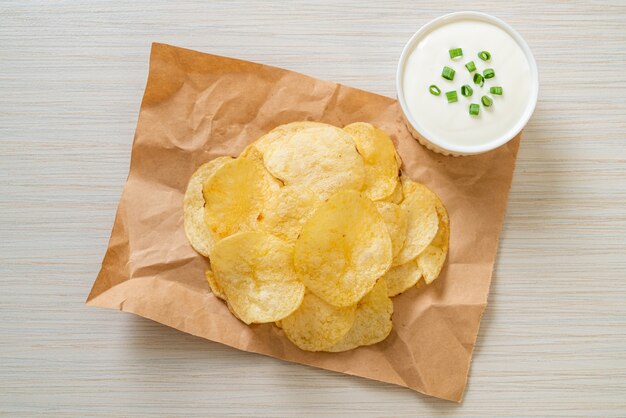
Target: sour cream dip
{"type": "Point", "coordinates": [445, 125]}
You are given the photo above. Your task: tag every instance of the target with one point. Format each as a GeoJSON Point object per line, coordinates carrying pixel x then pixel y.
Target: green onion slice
{"type": "Point", "coordinates": [466, 91]}
{"type": "Point", "coordinates": [448, 73]}
{"type": "Point", "coordinates": [489, 73]}
{"type": "Point", "coordinates": [474, 109]}
{"type": "Point", "coordinates": [434, 90]}
{"type": "Point", "coordinates": [484, 55]}
{"type": "Point", "coordinates": [478, 79]}
{"type": "Point", "coordinates": [486, 101]}
{"type": "Point", "coordinates": [496, 90]}
{"type": "Point", "coordinates": [471, 67]}
{"type": "Point", "coordinates": [451, 96]}
{"type": "Point", "coordinates": [456, 52]}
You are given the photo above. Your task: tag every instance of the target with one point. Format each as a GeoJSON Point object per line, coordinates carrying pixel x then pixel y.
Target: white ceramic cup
{"type": "Point", "coordinates": [439, 144]}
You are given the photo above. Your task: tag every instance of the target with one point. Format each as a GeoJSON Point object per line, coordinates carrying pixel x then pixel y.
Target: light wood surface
{"type": "Point", "coordinates": [553, 338]}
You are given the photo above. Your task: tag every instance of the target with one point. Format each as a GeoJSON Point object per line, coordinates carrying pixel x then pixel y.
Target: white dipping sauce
{"type": "Point", "coordinates": [451, 121]}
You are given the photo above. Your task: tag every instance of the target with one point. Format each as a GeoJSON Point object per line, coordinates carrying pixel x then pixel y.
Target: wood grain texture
{"type": "Point", "coordinates": [553, 339]}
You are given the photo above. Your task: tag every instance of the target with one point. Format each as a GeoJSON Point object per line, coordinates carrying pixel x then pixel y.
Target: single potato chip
{"type": "Point", "coordinates": [215, 288]}
{"type": "Point", "coordinates": [255, 156]}
{"type": "Point", "coordinates": [372, 320]}
{"type": "Point", "coordinates": [396, 196]}
{"type": "Point", "coordinates": [282, 132]}
{"type": "Point", "coordinates": [323, 159]}
{"type": "Point", "coordinates": [343, 249]}
{"type": "Point", "coordinates": [396, 221]}
{"type": "Point", "coordinates": [234, 197]}
{"type": "Point", "coordinates": [287, 210]}
{"type": "Point", "coordinates": [198, 234]}
{"type": "Point", "coordinates": [402, 277]}
{"type": "Point", "coordinates": [250, 150]}
{"type": "Point", "coordinates": [422, 221]}
{"type": "Point", "coordinates": [399, 159]}
{"type": "Point", "coordinates": [317, 325]}
{"type": "Point", "coordinates": [256, 274]}
{"type": "Point", "coordinates": [431, 260]}
{"type": "Point", "coordinates": [379, 155]}
{"type": "Point", "coordinates": [409, 186]}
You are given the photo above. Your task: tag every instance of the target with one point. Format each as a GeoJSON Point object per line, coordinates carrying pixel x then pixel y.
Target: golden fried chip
{"type": "Point", "coordinates": [372, 320]}
{"type": "Point", "coordinates": [234, 197]}
{"type": "Point", "coordinates": [198, 234]}
{"type": "Point", "coordinates": [398, 159]}
{"type": "Point", "coordinates": [317, 325]}
{"type": "Point", "coordinates": [250, 151]}
{"type": "Point", "coordinates": [402, 277]}
{"type": "Point", "coordinates": [396, 221]}
{"type": "Point", "coordinates": [379, 155]}
{"type": "Point", "coordinates": [284, 131]}
{"type": "Point", "coordinates": [255, 156]}
{"type": "Point", "coordinates": [431, 260]}
{"type": "Point", "coordinates": [256, 274]}
{"type": "Point", "coordinates": [409, 186]}
{"type": "Point", "coordinates": [396, 196]}
{"type": "Point", "coordinates": [343, 248]}
{"type": "Point", "coordinates": [323, 159]}
{"type": "Point", "coordinates": [215, 287]}
{"type": "Point", "coordinates": [287, 210]}
{"type": "Point", "coordinates": [422, 224]}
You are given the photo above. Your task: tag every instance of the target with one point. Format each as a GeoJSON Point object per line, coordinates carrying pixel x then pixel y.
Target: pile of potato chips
{"type": "Point", "coordinates": [313, 228]}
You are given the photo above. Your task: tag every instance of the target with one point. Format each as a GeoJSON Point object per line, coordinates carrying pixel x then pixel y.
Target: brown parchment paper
{"type": "Point", "coordinates": [197, 107]}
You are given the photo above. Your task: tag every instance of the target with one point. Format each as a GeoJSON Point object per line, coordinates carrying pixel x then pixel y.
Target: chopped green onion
{"type": "Point", "coordinates": [451, 96]}
{"type": "Point", "coordinates": [456, 52]}
{"type": "Point", "coordinates": [489, 73]}
{"type": "Point", "coordinates": [486, 101]}
{"type": "Point", "coordinates": [448, 73]}
{"type": "Point", "coordinates": [466, 91]}
{"type": "Point", "coordinates": [474, 109]}
{"type": "Point", "coordinates": [434, 90]}
{"type": "Point", "coordinates": [484, 55]}
{"type": "Point", "coordinates": [496, 90]}
{"type": "Point", "coordinates": [478, 79]}
{"type": "Point", "coordinates": [471, 67]}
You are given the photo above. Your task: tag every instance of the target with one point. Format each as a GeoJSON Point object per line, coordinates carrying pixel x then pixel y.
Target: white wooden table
{"type": "Point", "coordinates": [553, 339]}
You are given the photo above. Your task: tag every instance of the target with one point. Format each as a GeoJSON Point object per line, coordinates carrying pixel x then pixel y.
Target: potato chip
{"type": "Point", "coordinates": [323, 159]}
{"type": "Point", "coordinates": [317, 325]}
{"type": "Point", "coordinates": [431, 260]}
{"type": "Point", "coordinates": [284, 131]}
{"type": "Point", "coordinates": [198, 234]}
{"type": "Point", "coordinates": [379, 155]}
{"type": "Point", "coordinates": [287, 210]}
{"type": "Point", "coordinates": [402, 277]}
{"type": "Point", "coordinates": [312, 228]}
{"type": "Point", "coordinates": [396, 221]}
{"type": "Point", "coordinates": [343, 248]}
{"type": "Point", "coordinates": [422, 221]}
{"type": "Point", "coordinates": [409, 186]}
{"type": "Point", "coordinates": [256, 274]}
{"type": "Point", "coordinates": [372, 320]}
{"type": "Point", "coordinates": [255, 156]}
{"type": "Point", "coordinates": [396, 196]}
{"type": "Point", "coordinates": [398, 159]}
{"type": "Point", "coordinates": [250, 150]}
{"type": "Point", "coordinates": [234, 197]}
{"type": "Point", "coordinates": [215, 288]}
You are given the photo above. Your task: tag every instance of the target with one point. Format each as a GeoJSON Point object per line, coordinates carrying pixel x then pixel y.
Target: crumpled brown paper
{"type": "Point", "coordinates": [197, 107]}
